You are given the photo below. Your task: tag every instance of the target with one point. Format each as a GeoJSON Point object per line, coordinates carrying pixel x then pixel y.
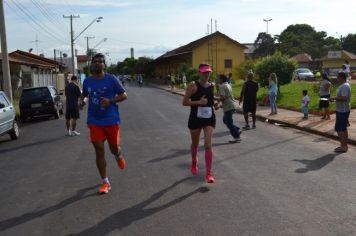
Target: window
{"type": "Point", "coordinates": [228, 63]}
{"type": "Point", "coordinates": [3, 101]}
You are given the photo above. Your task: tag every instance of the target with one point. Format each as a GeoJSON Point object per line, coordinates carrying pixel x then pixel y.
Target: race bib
{"type": "Point", "coordinates": [205, 112]}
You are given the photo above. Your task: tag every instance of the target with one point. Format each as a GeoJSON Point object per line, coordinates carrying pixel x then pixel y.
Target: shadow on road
{"type": "Point", "coordinates": [181, 152]}
{"type": "Point", "coordinates": [50, 140]}
{"type": "Point", "coordinates": [317, 164]}
{"type": "Point", "coordinates": [12, 222]}
{"type": "Point", "coordinates": [137, 212]}
{"type": "Point", "coordinates": [221, 134]}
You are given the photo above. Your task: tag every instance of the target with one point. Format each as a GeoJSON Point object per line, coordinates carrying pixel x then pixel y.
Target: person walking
{"type": "Point", "coordinates": [199, 95]}
{"type": "Point", "coordinates": [342, 100]}
{"type": "Point", "coordinates": [273, 89]}
{"type": "Point", "coordinates": [72, 93]}
{"type": "Point", "coordinates": [248, 96]}
{"type": "Point", "coordinates": [324, 103]}
{"type": "Point", "coordinates": [173, 82]}
{"type": "Point", "coordinates": [104, 91]}
{"type": "Point", "coordinates": [228, 105]}
{"type": "Point", "coordinates": [184, 81]}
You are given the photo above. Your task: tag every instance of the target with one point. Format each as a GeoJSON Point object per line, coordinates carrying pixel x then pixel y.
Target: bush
{"type": "Point", "coordinates": [242, 69]}
{"type": "Point", "coordinates": [192, 74]}
{"type": "Point", "coordinates": [277, 63]}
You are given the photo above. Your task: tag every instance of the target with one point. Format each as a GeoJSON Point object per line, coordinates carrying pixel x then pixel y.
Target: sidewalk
{"type": "Point", "coordinates": [295, 119]}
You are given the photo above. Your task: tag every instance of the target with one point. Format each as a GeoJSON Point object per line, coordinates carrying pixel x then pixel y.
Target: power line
{"type": "Point", "coordinates": [31, 24]}
{"type": "Point", "coordinates": [47, 14]}
{"type": "Point", "coordinates": [35, 20]}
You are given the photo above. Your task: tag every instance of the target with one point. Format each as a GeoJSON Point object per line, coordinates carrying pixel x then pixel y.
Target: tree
{"type": "Point", "coordinates": [264, 45]}
{"type": "Point", "coordinates": [280, 64]}
{"type": "Point", "coordinates": [144, 65]}
{"type": "Point", "coordinates": [242, 69]}
{"type": "Point", "coordinates": [302, 38]}
{"type": "Point", "coordinates": [349, 43]}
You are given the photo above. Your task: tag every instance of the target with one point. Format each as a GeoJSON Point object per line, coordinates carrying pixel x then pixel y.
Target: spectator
{"type": "Point", "coordinates": [248, 96]}
{"type": "Point", "coordinates": [342, 99]}
{"type": "Point", "coordinates": [72, 93]}
{"type": "Point", "coordinates": [305, 104]}
{"type": "Point", "coordinates": [324, 103]}
{"type": "Point", "coordinates": [273, 89]}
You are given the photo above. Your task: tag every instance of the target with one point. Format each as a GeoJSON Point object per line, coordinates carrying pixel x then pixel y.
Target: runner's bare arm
{"type": "Point", "coordinates": [191, 89]}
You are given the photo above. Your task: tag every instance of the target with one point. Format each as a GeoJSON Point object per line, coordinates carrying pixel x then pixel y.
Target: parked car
{"type": "Point", "coordinates": [8, 123]}
{"type": "Point", "coordinates": [40, 101]}
{"type": "Point", "coordinates": [304, 74]}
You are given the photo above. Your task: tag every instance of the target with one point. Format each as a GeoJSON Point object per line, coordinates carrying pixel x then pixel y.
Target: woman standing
{"type": "Point", "coordinates": [199, 95]}
{"type": "Point", "coordinates": [273, 89]}
{"type": "Point", "coordinates": [325, 87]}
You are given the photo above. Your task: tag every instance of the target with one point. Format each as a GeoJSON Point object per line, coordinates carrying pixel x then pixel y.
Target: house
{"type": "Point", "coordinates": [220, 51]}
{"type": "Point", "coordinates": [334, 60]}
{"type": "Point", "coordinates": [30, 70]}
{"type": "Point", "coordinates": [250, 48]}
{"type": "Point", "coordinates": [304, 60]}
{"type": "Point", "coordinates": [82, 61]}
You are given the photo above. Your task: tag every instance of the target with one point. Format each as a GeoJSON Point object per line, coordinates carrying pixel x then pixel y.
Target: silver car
{"type": "Point", "coordinates": [8, 124]}
{"type": "Point", "coordinates": [304, 74]}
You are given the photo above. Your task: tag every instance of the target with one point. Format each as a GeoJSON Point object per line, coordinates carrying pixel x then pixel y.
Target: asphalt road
{"type": "Point", "coordinates": [277, 181]}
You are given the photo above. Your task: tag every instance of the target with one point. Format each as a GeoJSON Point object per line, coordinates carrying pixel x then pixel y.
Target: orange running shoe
{"type": "Point", "coordinates": [104, 188]}
{"type": "Point", "coordinates": [121, 163]}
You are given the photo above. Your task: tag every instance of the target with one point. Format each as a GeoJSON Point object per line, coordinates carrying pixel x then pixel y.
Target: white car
{"type": "Point", "coordinates": [304, 74]}
{"type": "Point", "coordinates": [8, 123]}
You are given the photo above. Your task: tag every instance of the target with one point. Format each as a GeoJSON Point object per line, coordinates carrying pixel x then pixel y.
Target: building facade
{"type": "Point", "coordinates": [334, 60]}
{"type": "Point", "coordinates": [217, 49]}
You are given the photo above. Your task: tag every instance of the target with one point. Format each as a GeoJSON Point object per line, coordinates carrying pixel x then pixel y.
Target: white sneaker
{"type": "Point", "coordinates": [69, 133]}
{"type": "Point", "coordinates": [235, 140]}
{"type": "Point", "coordinates": [75, 133]}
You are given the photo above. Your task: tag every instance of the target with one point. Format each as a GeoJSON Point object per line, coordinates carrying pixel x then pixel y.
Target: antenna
{"type": "Point", "coordinates": [36, 41]}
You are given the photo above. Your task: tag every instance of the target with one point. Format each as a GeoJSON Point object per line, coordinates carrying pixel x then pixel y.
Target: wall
{"type": "Point", "coordinates": [216, 51]}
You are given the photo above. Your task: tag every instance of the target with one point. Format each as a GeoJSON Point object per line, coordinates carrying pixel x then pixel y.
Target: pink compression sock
{"type": "Point", "coordinates": [194, 151]}
{"type": "Point", "coordinates": [208, 160]}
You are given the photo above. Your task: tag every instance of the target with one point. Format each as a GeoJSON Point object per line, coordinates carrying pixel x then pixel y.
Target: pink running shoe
{"type": "Point", "coordinates": [194, 169]}
{"type": "Point", "coordinates": [209, 178]}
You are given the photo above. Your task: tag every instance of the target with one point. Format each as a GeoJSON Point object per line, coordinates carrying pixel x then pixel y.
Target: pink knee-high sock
{"type": "Point", "coordinates": [194, 152]}
{"type": "Point", "coordinates": [208, 160]}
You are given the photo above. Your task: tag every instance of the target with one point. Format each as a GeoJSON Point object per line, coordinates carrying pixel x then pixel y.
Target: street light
{"type": "Point", "coordinates": [98, 19]}
{"type": "Point", "coordinates": [103, 40]}
{"type": "Point", "coordinates": [267, 20]}
{"type": "Point", "coordinates": [72, 38]}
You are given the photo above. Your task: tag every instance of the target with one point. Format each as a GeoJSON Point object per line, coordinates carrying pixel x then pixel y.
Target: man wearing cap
{"type": "Point", "coordinates": [199, 95]}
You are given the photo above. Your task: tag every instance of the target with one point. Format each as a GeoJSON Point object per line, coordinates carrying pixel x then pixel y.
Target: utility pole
{"type": "Point", "coordinates": [5, 56]}
{"type": "Point", "coordinates": [72, 39]}
{"type": "Point", "coordinates": [88, 53]}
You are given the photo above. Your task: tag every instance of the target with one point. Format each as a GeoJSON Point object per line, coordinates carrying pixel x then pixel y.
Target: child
{"type": "Point", "coordinates": [305, 103]}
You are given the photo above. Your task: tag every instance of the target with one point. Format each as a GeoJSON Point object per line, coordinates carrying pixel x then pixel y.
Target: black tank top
{"type": "Point", "coordinates": [201, 91]}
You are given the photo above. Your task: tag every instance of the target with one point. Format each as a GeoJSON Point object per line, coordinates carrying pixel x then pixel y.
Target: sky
{"type": "Point", "coordinates": [153, 27]}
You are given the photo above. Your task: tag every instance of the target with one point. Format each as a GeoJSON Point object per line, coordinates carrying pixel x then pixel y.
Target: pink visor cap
{"type": "Point", "coordinates": [203, 68]}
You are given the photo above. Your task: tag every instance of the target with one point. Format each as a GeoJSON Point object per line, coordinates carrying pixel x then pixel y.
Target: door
{"type": "Point", "coordinates": [6, 114]}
